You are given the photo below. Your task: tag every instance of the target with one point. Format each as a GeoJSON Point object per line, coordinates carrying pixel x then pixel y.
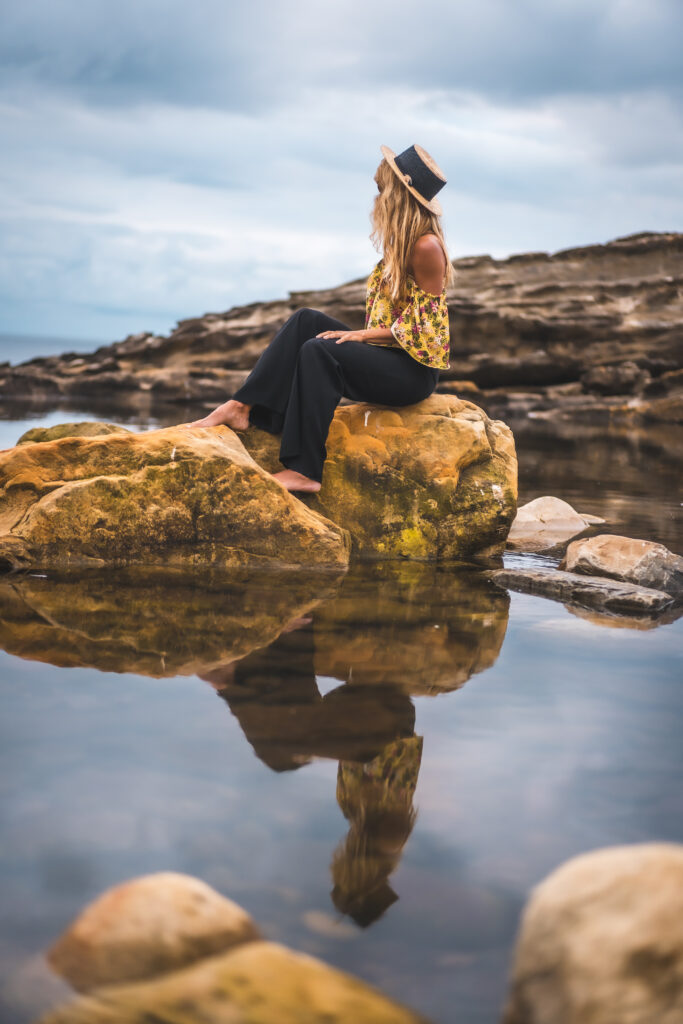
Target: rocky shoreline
{"type": "Point", "coordinates": [593, 332]}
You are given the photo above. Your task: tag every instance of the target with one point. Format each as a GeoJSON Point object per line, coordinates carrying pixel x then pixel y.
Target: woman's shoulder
{"type": "Point", "coordinates": [428, 261]}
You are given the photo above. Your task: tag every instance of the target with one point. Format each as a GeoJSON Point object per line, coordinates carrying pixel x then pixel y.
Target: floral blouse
{"type": "Point", "coordinates": [420, 327]}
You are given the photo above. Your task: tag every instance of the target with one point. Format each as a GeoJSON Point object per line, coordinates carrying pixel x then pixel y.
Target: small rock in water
{"type": "Point", "coordinates": [590, 591]}
{"type": "Point", "coordinates": [622, 558]}
{"type": "Point", "coordinates": [545, 525]}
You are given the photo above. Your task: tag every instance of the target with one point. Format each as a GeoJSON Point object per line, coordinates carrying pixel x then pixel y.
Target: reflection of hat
{"type": "Point", "coordinates": [420, 174]}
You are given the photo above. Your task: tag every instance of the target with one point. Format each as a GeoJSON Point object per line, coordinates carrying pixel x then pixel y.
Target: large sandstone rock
{"type": "Point", "coordinates": [594, 318]}
{"type": "Point", "coordinates": [601, 941]}
{"type": "Point", "coordinates": [544, 525]}
{"type": "Point", "coordinates": [178, 496]}
{"type": "Point", "coordinates": [259, 983]}
{"type": "Point", "coordinates": [622, 558]}
{"type": "Point", "coordinates": [434, 480]}
{"type": "Point", "coordinates": [145, 927]}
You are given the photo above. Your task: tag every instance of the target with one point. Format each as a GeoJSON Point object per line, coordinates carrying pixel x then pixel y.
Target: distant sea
{"type": "Point", "coordinates": [17, 348]}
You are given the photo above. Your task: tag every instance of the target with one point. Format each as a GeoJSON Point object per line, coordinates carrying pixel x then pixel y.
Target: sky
{"type": "Point", "coordinates": [160, 159]}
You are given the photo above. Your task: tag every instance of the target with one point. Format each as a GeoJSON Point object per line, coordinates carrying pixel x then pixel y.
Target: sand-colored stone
{"type": "Point", "coordinates": [601, 941]}
{"type": "Point", "coordinates": [259, 983]}
{"type": "Point", "coordinates": [546, 524]}
{"type": "Point", "coordinates": [624, 558]}
{"type": "Point", "coordinates": [145, 927]}
{"type": "Point", "coordinates": [177, 496]}
{"type": "Point", "coordinates": [430, 481]}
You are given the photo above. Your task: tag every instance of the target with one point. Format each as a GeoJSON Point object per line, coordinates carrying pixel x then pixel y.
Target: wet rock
{"type": "Point", "coordinates": [665, 384]}
{"type": "Point", "coordinates": [537, 368]}
{"type": "Point", "coordinates": [601, 940]}
{"type": "Point", "coordinates": [430, 481]}
{"type": "Point", "coordinates": [546, 524]}
{"type": "Point", "coordinates": [590, 591]}
{"type": "Point", "coordinates": [145, 927]}
{"type": "Point", "coordinates": [616, 379]}
{"type": "Point", "coordinates": [86, 428]}
{"type": "Point", "coordinates": [532, 320]}
{"type": "Point", "coordinates": [259, 983]}
{"type": "Point", "coordinates": [178, 496]}
{"type": "Point", "coordinates": [622, 558]}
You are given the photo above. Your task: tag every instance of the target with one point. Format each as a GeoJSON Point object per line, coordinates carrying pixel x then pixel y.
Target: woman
{"type": "Point", "coordinates": [314, 360]}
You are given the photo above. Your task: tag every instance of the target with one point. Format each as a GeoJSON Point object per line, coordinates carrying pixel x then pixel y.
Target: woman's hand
{"type": "Point", "coordinates": [344, 335]}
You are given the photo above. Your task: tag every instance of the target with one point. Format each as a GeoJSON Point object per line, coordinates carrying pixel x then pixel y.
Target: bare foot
{"type": "Point", "coordinates": [233, 413]}
{"type": "Point", "coordinates": [294, 481]}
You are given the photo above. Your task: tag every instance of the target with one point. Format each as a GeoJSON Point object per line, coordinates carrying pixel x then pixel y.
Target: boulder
{"type": "Point", "coordinates": [623, 558]}
{"type": "Point", "coordinates": [145, 927]}
{"type": "Point", "coordinates": [177, 496]}
{"type": "Point", "coordinates": [430, 481]}
{"type": "Point", "coordinates": [590, 591]}
{"type": "Point", "coordinates": [601, 940]}
{"type": "Point", "coordinates": [258, 983]}
{"type": "Point", "coordinates": [546, 524]}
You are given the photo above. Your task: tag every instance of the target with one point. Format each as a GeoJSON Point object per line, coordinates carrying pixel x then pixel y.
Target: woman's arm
{"type": "Point", "coordinates": [367, 333]}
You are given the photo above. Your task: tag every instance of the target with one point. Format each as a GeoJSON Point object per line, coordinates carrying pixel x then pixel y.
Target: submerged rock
{"type": "Point", "coordinates": [258, 983]}
{"type": "Point", "coordinates": [591, 591]}
{"type": "Point", "coordinates": [601, 940]}
{"type": "Point", "coordinates": [623, 558]}
{"type": "Point", "coordinates": [545, 525]}
{"type": "Point", "coordinates": [147, 926]}
{"type": "Point", "coordinates": [430, 481]}
{"type": "Point", "coordinates": [178, 496]}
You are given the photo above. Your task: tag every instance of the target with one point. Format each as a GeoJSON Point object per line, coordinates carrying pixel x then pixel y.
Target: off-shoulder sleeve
{"type": "Point", "coordinates": [422, 327]}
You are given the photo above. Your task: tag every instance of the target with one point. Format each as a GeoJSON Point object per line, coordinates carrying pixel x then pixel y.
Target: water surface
{"type": "Point", "coordinates": [378, 765]}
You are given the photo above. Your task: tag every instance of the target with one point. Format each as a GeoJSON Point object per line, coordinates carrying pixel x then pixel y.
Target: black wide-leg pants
{"type": "Point", "coordinates": [299, 380]}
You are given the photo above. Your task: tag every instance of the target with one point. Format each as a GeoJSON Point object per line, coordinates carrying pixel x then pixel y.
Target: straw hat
{"type": "Point", "coordinates": [420, 174]}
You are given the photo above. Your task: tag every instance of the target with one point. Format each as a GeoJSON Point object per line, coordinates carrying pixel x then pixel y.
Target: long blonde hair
{"type": "Point", "coordinates": [398, 219]}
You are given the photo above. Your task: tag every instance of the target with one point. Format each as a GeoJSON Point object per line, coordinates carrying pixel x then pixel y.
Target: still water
{"type": "Point", "coordinates": [378, 766]}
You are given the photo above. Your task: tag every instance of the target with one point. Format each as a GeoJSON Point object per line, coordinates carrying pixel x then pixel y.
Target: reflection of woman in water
{"type": "Point", "coordinates": [377, 800]}
{"type": "Point", "coordinates": [314, 360]}
{"type": "Point", "coordinates": [274, 695]}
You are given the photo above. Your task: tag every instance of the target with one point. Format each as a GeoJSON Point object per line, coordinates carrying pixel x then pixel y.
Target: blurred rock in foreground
{"type": "Point", "coordinates": [601, 940]}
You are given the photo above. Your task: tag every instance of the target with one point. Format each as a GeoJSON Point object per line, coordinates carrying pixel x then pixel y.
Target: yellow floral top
{"type": "Point", "coordinates": [420, 327]}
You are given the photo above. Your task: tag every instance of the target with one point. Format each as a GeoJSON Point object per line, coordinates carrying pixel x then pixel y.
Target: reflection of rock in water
{"type": "Point", "coordinates": [274, 695]}
{"type": "Point", "coordinates": [377, 800]}
{"type": "Point", "coordinates": [425, 628]}
{"type": "Point", "coordinates": [154, 624]}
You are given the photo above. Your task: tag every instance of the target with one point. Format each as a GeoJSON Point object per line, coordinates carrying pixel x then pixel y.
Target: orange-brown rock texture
{"type": "Point", "coordinates": [435, 480]}
{"type": "Point", "coordinates": [176, 496]}
{"type": "Point", "coordinates": [432, 481]}
{"type": "Point", "coordinates": [592, 330]}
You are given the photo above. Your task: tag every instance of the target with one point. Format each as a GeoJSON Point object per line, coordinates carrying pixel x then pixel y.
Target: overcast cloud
{"type": "Point", "coordinates": [161, 159]}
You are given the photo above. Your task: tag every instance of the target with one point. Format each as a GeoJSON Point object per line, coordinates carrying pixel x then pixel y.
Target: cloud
{"type": "Point", "coordinates": [161, 160]}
